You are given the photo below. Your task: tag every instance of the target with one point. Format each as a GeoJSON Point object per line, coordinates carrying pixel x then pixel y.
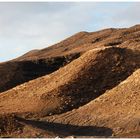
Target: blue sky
{"type": "Point", "coordinates": [26, 25]}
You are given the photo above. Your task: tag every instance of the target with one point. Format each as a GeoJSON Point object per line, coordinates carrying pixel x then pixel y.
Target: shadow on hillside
{"type": "Point", "coordinates": [69, 130]}
{"type": "Point", "coordinates": [113, 66]}
{"type": "Point", "coordinates": [14, 73]}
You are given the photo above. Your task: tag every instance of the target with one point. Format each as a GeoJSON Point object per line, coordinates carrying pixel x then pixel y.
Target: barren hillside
{"type": "Point", "coordinates": [85, 86]}
{"type": "Point", "coordinates": [73, 85]}
{"type": "Point", "coordinates": [117, 109]}
{"type": "Point", "coordinates": [46, 61]}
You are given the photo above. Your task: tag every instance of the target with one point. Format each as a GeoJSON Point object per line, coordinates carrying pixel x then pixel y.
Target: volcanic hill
{"type": "Point", "coordinates": [88, 85]}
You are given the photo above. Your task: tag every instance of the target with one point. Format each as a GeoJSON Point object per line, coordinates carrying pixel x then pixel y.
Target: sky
{"type": "Point", "coordinates": [26, 26]}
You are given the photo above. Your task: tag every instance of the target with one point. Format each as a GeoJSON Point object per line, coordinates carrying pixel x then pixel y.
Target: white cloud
{"type": "Point", "coordinates": [26, 26]}
{"type": "Point", "coordinates": [35, 25]}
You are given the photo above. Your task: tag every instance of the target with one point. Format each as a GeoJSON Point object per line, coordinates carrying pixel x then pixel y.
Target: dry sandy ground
{"type": "Point", "coordinates": [85, 86]}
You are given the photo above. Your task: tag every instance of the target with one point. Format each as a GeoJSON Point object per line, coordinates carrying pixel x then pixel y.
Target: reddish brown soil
{"type": "Point", "coordinates": [85, 86]}
{"type": "Point", "coordinates": [13, 73]}
{"type": "Point", "coordinates": [117, 109]}
{"type": "Point", "coordinates": [70, 88]}
{"type": "Point", "coordinates": [37, 63]}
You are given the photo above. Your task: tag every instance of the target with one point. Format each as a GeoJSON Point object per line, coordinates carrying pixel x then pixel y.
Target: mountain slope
{"type": "Point", "coordinates": [79, 82]}
{"type": "Point", "coordinates": [87, 85]}
{"type": "Point", "coordinates": [13, 73]}
{"type": "Point", "coordinates": [84, 41]}
{"type": "Point", "coordinates": [116, 113]}
{"type": "Point", "coordinates": [37, 63]}
{"type": "Point", "coordinates": [117, 109]}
